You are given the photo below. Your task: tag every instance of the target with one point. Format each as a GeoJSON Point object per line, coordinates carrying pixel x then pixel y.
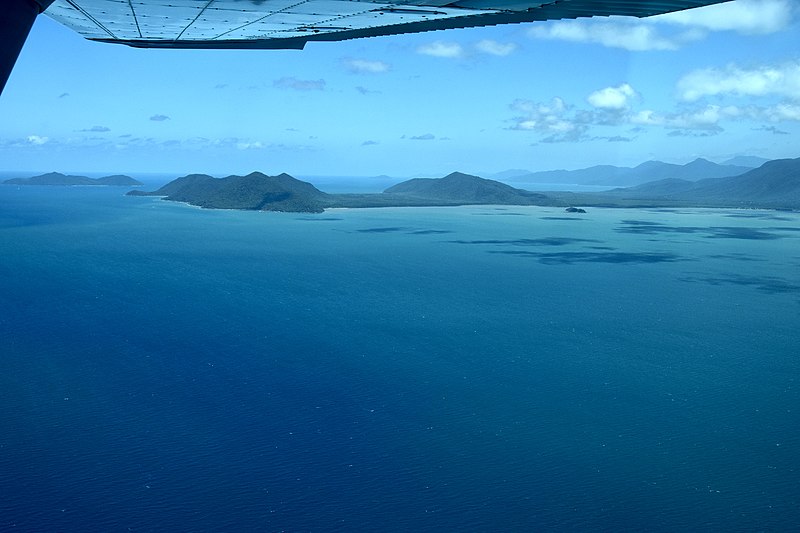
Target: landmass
{"type": "Point", "coordinates": [773, 185]}
{"type": "Point", "coordinates": [257, 191]}
{"type": "Point", "coordinates": [58, 179]}
{"type": "Point", "coordinates": [610, 175]}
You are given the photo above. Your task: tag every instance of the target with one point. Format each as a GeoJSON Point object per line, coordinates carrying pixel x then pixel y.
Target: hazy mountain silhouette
{"type": "Point", "coordinates": [627, 176]}
{"type": "Point", "coordinates": [774, 184]}
{"type": "Point", "coordinates": [56, 178]}
{"type": "Point", "coordinates": [746, 161]}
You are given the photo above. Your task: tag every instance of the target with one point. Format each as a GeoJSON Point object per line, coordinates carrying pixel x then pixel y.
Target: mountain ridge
{"type": "Point", "coordinates": [645, 172]}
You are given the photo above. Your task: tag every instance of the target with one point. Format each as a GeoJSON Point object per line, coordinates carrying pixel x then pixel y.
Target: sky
{"type": "Point", "coordinates": [714, 82]}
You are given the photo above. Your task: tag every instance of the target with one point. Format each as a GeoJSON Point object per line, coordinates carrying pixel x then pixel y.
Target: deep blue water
{"type": "Point", "coordinates": [166, 368]}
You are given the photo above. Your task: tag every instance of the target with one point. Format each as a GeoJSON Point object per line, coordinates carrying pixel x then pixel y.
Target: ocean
{"type": "Point", "coordinates": [168, 368]}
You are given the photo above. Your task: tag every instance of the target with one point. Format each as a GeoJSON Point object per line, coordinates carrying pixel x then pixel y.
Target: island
{"type": "Point", "coordinates": [773, 185]}
{"type": "Point", "coordinates": [58, 179]}
{"type": "Point", "coordinates": [465, 189]}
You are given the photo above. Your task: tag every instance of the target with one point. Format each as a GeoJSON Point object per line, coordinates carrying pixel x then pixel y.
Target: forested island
{"type": "Point", "coordinates": [773, 185]}
{"type": "Point", "coordinates": [58, 179]}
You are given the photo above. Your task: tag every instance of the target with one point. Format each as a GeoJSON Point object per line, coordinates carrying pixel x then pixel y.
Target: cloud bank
{"type": "Point", "coordinates": [781, 80]}
{"type": "Point", "coordinates": [672, 31]}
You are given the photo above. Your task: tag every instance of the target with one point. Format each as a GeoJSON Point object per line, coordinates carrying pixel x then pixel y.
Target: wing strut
{"type": "Point", "coordinates": [16, 20]}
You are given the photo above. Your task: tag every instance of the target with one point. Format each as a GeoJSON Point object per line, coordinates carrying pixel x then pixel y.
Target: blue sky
{"type": "Point", "coordinates": [715, 82]}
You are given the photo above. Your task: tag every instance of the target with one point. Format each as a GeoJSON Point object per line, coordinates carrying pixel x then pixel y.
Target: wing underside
{"type": "Point", "coordinates": [277, 24]}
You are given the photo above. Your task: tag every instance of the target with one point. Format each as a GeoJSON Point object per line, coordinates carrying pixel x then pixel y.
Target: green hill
{"type": "Point", "coordinates": [255, 191]}
{"type": "Point", "coordinates": [465, 189]}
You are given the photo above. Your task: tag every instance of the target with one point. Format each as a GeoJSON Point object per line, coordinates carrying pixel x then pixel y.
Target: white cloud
{"type": "Point", "coordinates": [425, 137]}
{"type": "Point", "coordinates": [441, 49]}
{"type": "Point", "coordinates": [783, 112]}
{"type": "Point", "coordinates": [193, 145]}
{"type": "Point", "coordinates": [249, 145]}
{"type": "Point", "coordinates": [743, 16]}
{"type": "Point", "coordinates": [554, 119]}
{"type": "Point", "coordinates": [559, 122]}
{"type": "Point", "coordinates": [612, 97]}
{"type": "Point", "coordinates": [159, 118]}
{"type": "Point", "coordinates": [633, 36]}
{"type": "Point", "coordinates": [197, 144]}
{"type": "Point", "coordinates": [525, 125]}
{"type": "Point", "coordinates": [673, 30]}
{"type": "Point", "coordinates": [364, 66]}
{"type": "Point", "coordinates": [783, 80]}
{"type": "Point", "coordinates": [555, 107]}
{"type": "Point", "coordinates": [705, 118]}
{"type": "Point", "coordinates": [647, 117]}
{"type": "Point", "coordinates": [37, 140]}
{"type": "Point", "coordinates": [488, 46]}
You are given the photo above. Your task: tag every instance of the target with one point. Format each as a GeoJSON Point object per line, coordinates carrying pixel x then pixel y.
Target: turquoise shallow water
{"type": "Point", "coordinates": [483, 368]}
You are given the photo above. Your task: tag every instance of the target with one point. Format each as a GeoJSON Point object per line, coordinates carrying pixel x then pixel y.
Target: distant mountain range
{"type": "Point", "coordinates": [626, 176]}
{"type": "Point", "coordinates": [746, 161]}
{"type": "Point", "coordinates": [776, 184]}
{"type": "Point", "coordinates": [58, 179]}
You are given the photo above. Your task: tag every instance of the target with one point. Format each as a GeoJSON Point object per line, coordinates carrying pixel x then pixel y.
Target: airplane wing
{"type": "Point", "coordinates": [277, 24]}
{"type": "Point", "coordinates": [273, 24]}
